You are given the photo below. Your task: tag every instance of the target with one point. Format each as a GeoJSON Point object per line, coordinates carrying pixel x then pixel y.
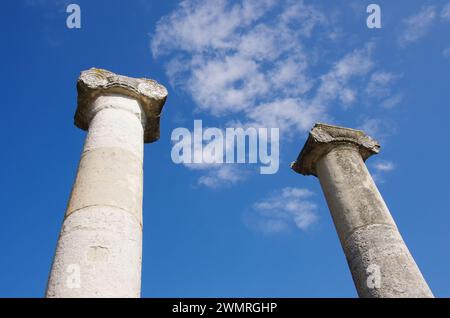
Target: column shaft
{"type": "Point", "coordinates": [366, 229]}
{"type": "Point", "coordinates": [100, 245]}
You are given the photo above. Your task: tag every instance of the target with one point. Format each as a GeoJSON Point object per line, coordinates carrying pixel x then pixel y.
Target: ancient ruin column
{"type": "Point", "coordinates": [100, 245]}
{"type": "Point", "coordinates": [380, 262]}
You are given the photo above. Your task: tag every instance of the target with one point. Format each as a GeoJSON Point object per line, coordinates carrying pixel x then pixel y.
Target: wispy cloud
{"type": "Point", "coordinates": [379, 89]}
{"type": "Point", "coordinates": [446, 53]}
{"type": "Point", "coordinates": [229, 60]}
{"type": "Point", "coordinates": [336, 84]}
{"type": "Point", "coordinates": [417, 26]}
{"type": "Point", "coordinates": [392, 101]}
{"type": "Point", "coordinates": [255, 60]}
{"type": "Point", "coordinates": [215, 175]}
{"type": "Point", "coordinates": [379, 84]}
{"type": "Point", "coordinates": [222, 176]}
{"type": "Point", "coordinates": [258, 67]}
{"type": "Point", "coordinates": [284, 209]}
{"type": "Point", "coordinates": [381, 168]}
{"type": "Point", "coordinates": [445, 13]}
{"type": "Point", "coordinates": [297, 114]}
{"type": "Point", "coordinates": [384, 166]}
{"type": "Point", "coordinates": [378, 128]}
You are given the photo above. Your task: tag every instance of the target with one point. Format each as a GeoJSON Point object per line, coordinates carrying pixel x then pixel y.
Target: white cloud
{"type": "Point", "coordinates": [392, 101]}
{"type": "Point", "coordinates": [293, 115]}
{"type": "Point", "coordinates": [215, 175]}
{"type": "Point", "coordinates": [283, 210]}
{"type": "Point", "coordinates": [222, 176]}
{"type": "Point", "coordinates": [445, 13]}
{"type": "Point", "coordinates": [229, 84]}
{"type": "Point", "coordinates": [384, 166]}
{"type": "Point", "coordinates": [381, 168]}
{"type": "Point", "coordinates": [336, 83]}
{"type": "Point", "coordinates": [198, 26]}
{"type": "Point", "coordinates": [379, 88]}
{"type": "Point", "coordinates": [230, 64]}
{"type": "Point", "coordinates": [446, 53]}
{"type": "Point", "coordinates": [378, 128]}
{"type": "Point", "coordinates": [379, 84]}
{"type": "Point", "coordinates": [417, 26]}
{"type": "Point", "coordinates": [258, 68]}
{"type": "Point", "coordinates": [290, 115]}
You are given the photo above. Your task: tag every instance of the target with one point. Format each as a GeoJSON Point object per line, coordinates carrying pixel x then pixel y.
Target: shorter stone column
{"type": "Point", "coordinates": [380, 262]}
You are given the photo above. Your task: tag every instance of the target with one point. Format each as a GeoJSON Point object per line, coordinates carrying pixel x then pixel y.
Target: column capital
{"type": "Point", "coordinates": [323, 138]}
{"type": "Point", "coordinates": [95, 82]}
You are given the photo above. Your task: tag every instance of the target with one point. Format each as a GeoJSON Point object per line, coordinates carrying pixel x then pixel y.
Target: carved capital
{"type": "Point", "coordinates": [324, 138]}
{"type": "Point", "coordinates": [97, 82]}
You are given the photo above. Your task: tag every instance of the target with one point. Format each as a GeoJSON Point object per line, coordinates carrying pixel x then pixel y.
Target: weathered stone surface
{"type": "Point", "coordinates": [382, 245]}
{"type": "Point", "coordinates": [118, 127]}
{"type": "Point", "coordinates": [347, 184]}
{"type": "Point", "coordinates": [95, 82]}
{"type": "Point", "coordinates": [366, 229]}
{"type": "Point", "coordinates": [323, 138]}
{"type": "Point", "coordinates": [108, 177]}
{"type": "Point", "coordinates": [102, 230]}
{"type": "Point", "coordinates": [98, 255]}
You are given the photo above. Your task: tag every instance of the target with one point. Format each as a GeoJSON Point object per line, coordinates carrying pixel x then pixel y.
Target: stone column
{"type": "Point", "coordinates": [100, 245]}
{"type": "Point", "coordinates": [380, 262]}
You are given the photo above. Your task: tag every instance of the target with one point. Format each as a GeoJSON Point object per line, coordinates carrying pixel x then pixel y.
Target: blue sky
{"type": "Point", "coordinates": [228, 230]}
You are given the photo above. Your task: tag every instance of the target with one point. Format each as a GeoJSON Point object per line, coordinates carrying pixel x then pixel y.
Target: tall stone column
{"type": "Point", "coordinates": [380, 262]}
{"type": "Point", "coordinates": [100, 245]}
